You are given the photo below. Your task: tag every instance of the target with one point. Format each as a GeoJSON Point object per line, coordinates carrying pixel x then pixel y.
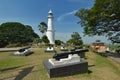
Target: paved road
{"type": "Point", "coordinates": [15, 49]}
{"type": "Point", "coordinates": [115, 58]}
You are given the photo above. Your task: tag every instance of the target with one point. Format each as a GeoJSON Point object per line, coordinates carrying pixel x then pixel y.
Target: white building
{"type": "Point", "coordinates": [50, 30]}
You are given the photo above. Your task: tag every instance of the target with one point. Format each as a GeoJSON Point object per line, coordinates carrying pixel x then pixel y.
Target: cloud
{"type": "Point", "coordinates": [66, 14]}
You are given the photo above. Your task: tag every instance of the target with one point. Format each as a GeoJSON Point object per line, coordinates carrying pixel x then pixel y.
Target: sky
{"type": "Point", "coordinates": [32, 12]}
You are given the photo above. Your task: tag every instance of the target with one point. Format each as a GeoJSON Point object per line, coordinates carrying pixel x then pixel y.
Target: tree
{"type": "Point", "coordinates": [102, 19]}
{"type": "Point", "coordinates": [75, 39]}
{"type": "Point", "coordinates": [58, 42]}
{"type": "Point", "coordinates": [45, 39]}
{"type": "Point", "coordinates": [42, 27]}
{"type": "Point", "coordinates": [37, 40]}
{"type": "Point", "coordinates": [16, 33]}
{"type": "Point", "coordinates": [70, 42]}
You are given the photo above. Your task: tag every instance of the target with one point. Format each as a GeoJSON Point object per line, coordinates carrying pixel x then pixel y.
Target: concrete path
{"type": "Point", "coordinates": [8, 49]}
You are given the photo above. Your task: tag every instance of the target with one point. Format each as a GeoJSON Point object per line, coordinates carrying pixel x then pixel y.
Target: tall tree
{"type": "Point", "coordinates": [16, 33]}
{"type": "Point", "coordinates": [37, 41]}
{"type": "Point", "coordinates": [58, 42]}
{"type": "Point", "coordinates": [102, 19]}
{"type": "Point", "coordinates": [75, 39]}
{"type": "Point", "coordinates": [45, 39]}
{"type": "Point", "coordinates": [42, 27]}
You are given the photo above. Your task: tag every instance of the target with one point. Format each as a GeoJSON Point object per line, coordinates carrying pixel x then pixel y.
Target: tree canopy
{"type": "Point", "coordinates": [37, 41]}
{"type": "Point", "coordinates": [58, 42]}
{"type": "Point", "coordinates": [102, 19]}
{"type": "Point", "coordinates": [45, 39]}
{"type": "Point", "coordinates": [16, 33]}
{"type": "Point", "coordinates": [42, 27]}
{"type": "Point", "coordinates": [75, 39]}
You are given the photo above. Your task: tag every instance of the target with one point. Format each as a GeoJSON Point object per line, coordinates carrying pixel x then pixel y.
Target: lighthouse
{"type": "Point", "coordinates": [50, 30]}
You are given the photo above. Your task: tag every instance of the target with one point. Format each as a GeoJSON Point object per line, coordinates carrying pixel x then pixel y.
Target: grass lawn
{"type": "Point", "coordinates": [100, 68]}
{"type": "Point", "coordinates": [7, 61]}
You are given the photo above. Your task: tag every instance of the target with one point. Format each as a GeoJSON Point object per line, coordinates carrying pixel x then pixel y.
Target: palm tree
{"type": "Point", "coordinates": [42, 27]}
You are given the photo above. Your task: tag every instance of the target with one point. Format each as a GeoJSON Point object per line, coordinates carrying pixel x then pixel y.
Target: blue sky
{"type": "Point", "coordinates": [32, 12]}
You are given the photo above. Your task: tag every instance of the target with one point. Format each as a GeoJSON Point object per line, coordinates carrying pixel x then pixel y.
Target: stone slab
{"type": "Point", "coordinates": [66, 70]}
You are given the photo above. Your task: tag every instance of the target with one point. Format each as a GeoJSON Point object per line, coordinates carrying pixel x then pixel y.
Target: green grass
{"type": "Point", "coordinates": [101, 61]}
{"type": "Point", "coordinates": [101, 68]}
{"type": "Point", "coordinates": [8, 61]}
{"type": "Point", "coordinates": [11, 63]}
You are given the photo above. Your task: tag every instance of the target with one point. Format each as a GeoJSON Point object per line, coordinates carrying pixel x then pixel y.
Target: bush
{"type": "Point", "coordinates": [118, 50]}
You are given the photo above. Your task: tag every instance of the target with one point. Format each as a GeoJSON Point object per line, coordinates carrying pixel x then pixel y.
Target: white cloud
{"type": "Point", "coordinates": [66, 14]}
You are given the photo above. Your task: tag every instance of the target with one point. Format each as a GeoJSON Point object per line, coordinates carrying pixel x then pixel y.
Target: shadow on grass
{"type": "Point", "coordinates": [23, 73]}
{"type": "Point", "coordinates": [6, 69]}
{"type": "Point", "coordinates": [91, 65]}
{"type": "Point", "coordinates": [89, 72]}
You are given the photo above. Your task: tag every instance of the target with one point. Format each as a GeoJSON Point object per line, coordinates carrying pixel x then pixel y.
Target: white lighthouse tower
{"type": "Point", "coordinates": [50, 30]}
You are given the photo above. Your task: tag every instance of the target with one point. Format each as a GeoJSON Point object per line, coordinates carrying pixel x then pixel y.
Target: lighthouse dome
{"type": "Point", "coordinates": [50, 12]}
